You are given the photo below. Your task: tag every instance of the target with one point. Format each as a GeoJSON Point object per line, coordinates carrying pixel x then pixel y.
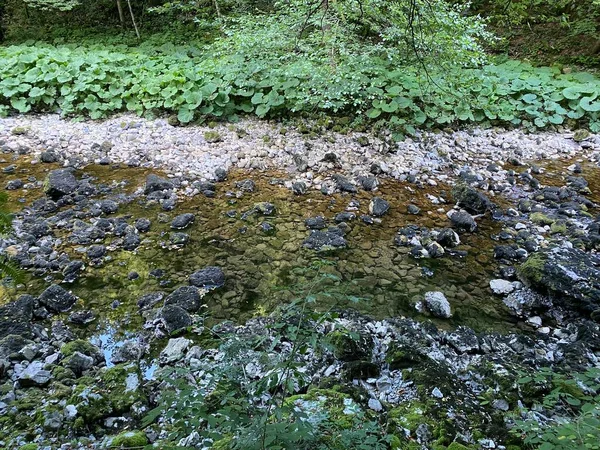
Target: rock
{"type": "Point", "coordinates": [131, 241]}
{"type": "Point", "coordinates": [174, 318]}
{"type": "Point", "coordinates": [131, 350]}
{"type": "Point", "coordinates": [13, 185]}
{"type": "Point", "coordinates": [220, 175]}
{"type": "Point", "coordinates": [49, 157]}
{"type": "Point", "coordinates": [463, 221]}
{"type": "Point", "coordinates": [315, 223]}
{"type": "Point", "coordinates": [82, 317]}
{"type": "Point", "coordinates": [246, 185]}
{"type": "Point", "coordinates": [60, 182]}
{"type": "Point", "coordinates": [96, 251]}
{"type": "Point", "coordinates": [150, 299]}
{"type": "Point", "coordinates": [345, 216]}
{"type": "Point", "coordinates": [142, 225]}
{"type": "Point", "coordinates": [183, 221]}
{"type": "Point", "coordinates": [186, 297]}
{"type": "Point", "coordinates": [331, 239]}
{"type": "Point", "coordinates": [501, 405]}
{"type": "Point", "coordinates": [375, 405]}
{"type": "Point", "coordinates": [179, 238]}
{"type": "Point", "coordinates": [57, 299]}
{"type": "Point", "coordinates": [448, 238]}
{"type": "Point", "coordinates": [502, 287]}
{"type": "Point", "coordinates": [570, 275]}
{"type": "Point", "coordinates": [267, 228]}
{"type": "Point", "coordinates": [174, 351]}
{"type": "Point", "coordinates": [437, 304]}
{"type": "Point", "coordinates": [299, 188]}
{"type": "Point", "coordinates": [78, 363]}
{"type": "Point", "coordinates": [15, 317]}
{"type": "Point", "coordinates": [210, 277]}
{"type": "Point", "coordinates": [155, 183]}
{"type": "Point", "coordinates": [264, 208]}
{"type": "Point", "coordinates": [109, 206]}
{"type": "Point", "coordinates": [53, 421]}
{"type": "Point", "coordinates": [35, 375]}
{"type": "Point", "coordinates": [471, 199]}
{"type": "Point", "coordinates": [369, 183]}
{"type": "Point", "coordinates": [581, 135]}
{"type": "Point", "coordinates": [378, 207]}
{"type": "Point", "coordinates": [413, 209]}
{"type": "Point", "coordinates": [344, 185]}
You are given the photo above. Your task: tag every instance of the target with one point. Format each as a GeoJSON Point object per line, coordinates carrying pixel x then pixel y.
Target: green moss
{"type": "Point", "coordinates": [19, 131]}
{"type": "Point", "coordinates": [223, 444]}
{"type": "Point", "coordinates": [212, 136]}
{"type": "Point", "coordinates": [173, 121]}
{"type": "Point", "coordinates": [399, 357]}
{"type": "Point", "coordinates": [80, 346]}
{"type": "Point", "coordinates": [457, 446]}
{"type": "Point", "coordinates": [533, 268]}
{"type": "Point", "coordinates": [129, 439]}
{"type": "Point", "coordinates": [29, 447]}
{"type": "Point", "coordinates": [558, 227]}
{"type": "Point", "coordinates": [347, 347]}
{"type": "Point", "coordinates": [540, 219]}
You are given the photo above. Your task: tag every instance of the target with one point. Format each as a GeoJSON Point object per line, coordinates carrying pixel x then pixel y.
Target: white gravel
{"type": "Point", "coordinates": [184, 151]}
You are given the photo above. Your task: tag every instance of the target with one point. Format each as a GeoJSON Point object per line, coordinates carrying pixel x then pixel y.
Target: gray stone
{"type": "Point", "coordinates": [155, 183]}
{"type": "Point", "coordinates": [60, 182]}
{"type": "Point", "coordinates": [57, 299]}
{"type": "Point", "coordinates": [210, 277]}
{"type": "Point", "coordinates": [438, 305]}
{"type": "Point", "coordinates": [175, 350]}
{"type": "Point", "coordinates": [35, 375]}
{"type": "Point", "coordinates": [183, 221]}
{"type": "Point", "coordinates": [378, 207]}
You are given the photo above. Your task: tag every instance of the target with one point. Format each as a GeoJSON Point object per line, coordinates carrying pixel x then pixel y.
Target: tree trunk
{"type": "Point", "coordinates": [121, 15]}
{"type": "Point", "coordinates": [137, 32]}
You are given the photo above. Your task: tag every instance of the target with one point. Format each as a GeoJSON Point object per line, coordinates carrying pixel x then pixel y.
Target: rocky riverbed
{"type": "Point", "coordinates": [460, 259]}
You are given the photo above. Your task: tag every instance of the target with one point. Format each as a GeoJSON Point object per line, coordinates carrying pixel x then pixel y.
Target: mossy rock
{"type": "Point", "coordinates": [129, 439]}
{"type": "Point", "coordinates": [29, 447]}
{"type": "Point", "coordinates": [347, 347]}
{"type": "Point", "coordinates": [558, 227]}
{"type": "Point", "coordinates": [533, 268]}
{"type": "Point", "coordinates": [212, 136]}
{"type": "Point", "coordinates": [327, 405]}
{"type": "Point", "coordinates": [19, 131]}
{"type": "Point", "coordinates": [223, 444]}
{"type": "Point", "coordinates": [541, 219]}
{"type": "Point", "coordinates": [81, 346]}
{"type": "Point", "coordinates": [400, 357]}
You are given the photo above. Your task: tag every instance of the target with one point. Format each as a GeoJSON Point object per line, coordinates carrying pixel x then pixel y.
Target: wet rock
{"type": "Point", "coordinates": [299, 188]}
{"type": "Point", "coordinates": [174, 318]}
{"type": "Point", "coordinates": [13, 185]}
{"type": "Point", "coordinates": [49, 157]}
{"type": "Point", "coordinates": [471, 199]}
{"type": "Point", "coordinates": [246, 185]}
{"type": "Point", "coordinates": [315, 223]}
{"type": "Point", "coordinates": [208, 278]}
{"type": "Point", "coordinates": [369, 183]}
{"type": "Point", "coordinates": [378, 207]}
{"type": "Point", "coordinates": [265, 208]}
{"type": "Point", "coordinates": [331, 239]}
{"type": "Point", "coordinates": [462, 220]}
{"type": "Point", "coordinates": [78, 363]}
{"type": "Point", "coordinates": [571, 275]}
{"type": "Point", "coordinates": [437, 304]}
{"type": "Point", "coordinates": [96, 251]}
{"type": "Point", "coordinates": [345, 216]}
{"type": "Point", "coordinates": [179, 238]}
{"type": "Point", "coordinates": [142, 225]}
{"type": "Point", "coordinates": [57, 299]}
{"type": "Point", "coordinates": [267, 228]}
{"type": "Point", "coordinates": [220, 175]}
{"type": "Point", "coordinates": [82, 317]}
{"type": "Point", "coordinates": [523, 302]}
{"type": "Point", "coordinates": [367, 219]}
{"type": "Point", "coordinates": [448, 238]}
{"type": "Point", "coordinates": [150, 299]}
{"type": "Point", "coordinates": [330, 157]}
{"type": "Point", "coordinates": [413, 209]}
{"type": "Point", "coordinates": [182, 221]}
{"type": "Point", "coordinates": [15, 317]}
{"type": "Point", "coordinates": [344, 185]}
{"type": "Point", "coordinates": [435, 250]}
{"type": "Point", "coordinates": [155, 183]}
{"type": "Point", "coordinates": [131, 241]}
{"type": "Point", "coordinates": [34, 375]}
{"type": "Point", "coordinates": [60, 182]}
{"type": "Point", "coordinates": [463, 340]}
{"type": "Point", "coordinates": [186, 297]}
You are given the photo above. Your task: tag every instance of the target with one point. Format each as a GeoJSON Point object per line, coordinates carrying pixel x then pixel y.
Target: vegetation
{"type": "Point", "coordinates": [8, 270]}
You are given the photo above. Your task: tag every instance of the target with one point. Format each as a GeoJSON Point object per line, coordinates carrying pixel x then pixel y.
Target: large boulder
{"type": "Point", "coordinates": [210, 277]}
{"type": "Point", "coordinates": [570, 275]}
{"type": "Point", "coordinates": [155, 183]}
{"type": "Point", "coordinates": [186, 297]}
{"type": "Point", "coordinates": [15, 317]}
{"type": "Point", "coordinates": [60, 182]}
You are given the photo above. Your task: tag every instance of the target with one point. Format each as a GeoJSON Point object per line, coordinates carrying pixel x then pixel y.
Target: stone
{"type": "Point", "coordinates": [210, 277]}
{"type": "Point", "coordinates": [501, 287]}
{"type": "Point", "coordinates": [131, 241]}
{"type": "Point", "coordinates": [448, 238]}
{"type": "Point", "coordinates": [15, 317]}
{"type": "Point", "coordinates": [299, 187]}
{"type": "Point", "coordinates": [35, 375]}
{"type": "Point", "coordinates": [437, 304]}
{"type": "Point", "coordinates": [179, 238]}
{"type": "Point", "coordinates": [150, 299]}
{"type": "Point", "coordinates": [331, 239]}
{"type": "Point", "coordinates": [109, 206]}
{"type": "Point", "coordinates": [155, 183]}
{"type": "Point", "coordinates": [60, 182]}
{"type": "Point", "coordinates": [78, 363]}
{"type": "Point", "coordinates": [96, 251]}
{"type": "Point", "coordinates": [375, 405]}
{"type": "Point", "coordinates": [175, 350]}
{"type": "Point", "coordinates": [463, 221]}
{"type": "Point", "coordinates": [413, 209]}
{"type": "Point", "coordinates": [220, 174]}
{"type": "Point", "coordinates": [471, 199]}
{"type": "Point", "coordinates": [82, 317]}
{"type": "Point", "coordinates": [174, 318]}
{"type": "Point", "coordinates": [182, 221]}
{"type": "Point", "coordinates": [344, 185]}
{"type": "Point", "coordinates": [49, 157]}
{"type": "Point", "coordinates": [246, 185]}
{"type": "Point", "coordinates": [315, 223]}
{"type": "Point", "coordinates": [57, 299]}
{"type": "Point", "coordinates": [186, 297]}
{"type": "Point", "coordinates": [13, 185]}
{"type": "Point", "coordinates": [345, 216]}
{"type": "Point", "coordinates": [368, 183]}
{"type": "Point", "coordinates": [378, 207]}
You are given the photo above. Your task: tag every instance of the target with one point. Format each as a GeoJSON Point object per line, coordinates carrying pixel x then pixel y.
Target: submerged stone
{"type": "Point", "coordinates": [471, 199]}
{"type": "Point", "coordinates": [60, 182]}
{"type": "Point", "coordinates": [155, 183]}
{"type": "Point", "coordinates": [208, 278]}
{"type": "Point", "coordinates": [57, 299]}
{"type": "Point", "coordinates": [378, 207]}
{"type": "Point", "coordinates": [331, 239]}
{"type": "Point", "coordinates": [183, 221]}
{"type": "Point", "coordinates": [316, 223]}
{"type": "Point", "coordinates": [463, 221]}
{"type": "Point", "coordinates": [186, 297]}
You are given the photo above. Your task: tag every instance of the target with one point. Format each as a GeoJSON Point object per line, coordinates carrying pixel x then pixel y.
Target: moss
{"type": "Point", "coordinates": [19, 131]}
{"type": "Point", "coordinates": [533, 268]}
{"type": "Point", "coordinates": [129, 439]}
{"type": "Point", "coordinates": [540, 219]}
{"type": "Point", "coordinates": [457, 446]}
{"type": "Point", "coordinates": [80, 346]}
{"type": "Point", "coordinates": [212, 136]}
{"type": "Point", "coordinates": [29, 447]}
{"type": "Point", "coordinates": [212, 124]}
{"type": "Point", "coordinates": [558, 227]}
{"type": "Point", "coordinates": [223, 444]}
{"type": "Point", "coordinates": [173, 121]}
{"type": "Point", "coordinates": [266, 139]}
{"type": "Point", "coordinates": [346, 347]}
{"type": "Point", "coordinates": [399, 357]}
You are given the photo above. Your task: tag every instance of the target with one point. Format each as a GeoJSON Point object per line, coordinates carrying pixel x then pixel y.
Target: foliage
{"type": "Point", "coordinates": [7, 268]}
{"type": "Point", "coordinates": [227, 406]}
{"type": "Point", "coordinates": [568, 418]}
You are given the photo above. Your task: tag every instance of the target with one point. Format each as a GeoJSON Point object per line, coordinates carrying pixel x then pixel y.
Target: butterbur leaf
{"type": "Point", "coordinates": [373, 113]}
{"type": "Point", "coordinates": [185, 115]}
{"type": "Point", "coordinates": [589, 104]}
